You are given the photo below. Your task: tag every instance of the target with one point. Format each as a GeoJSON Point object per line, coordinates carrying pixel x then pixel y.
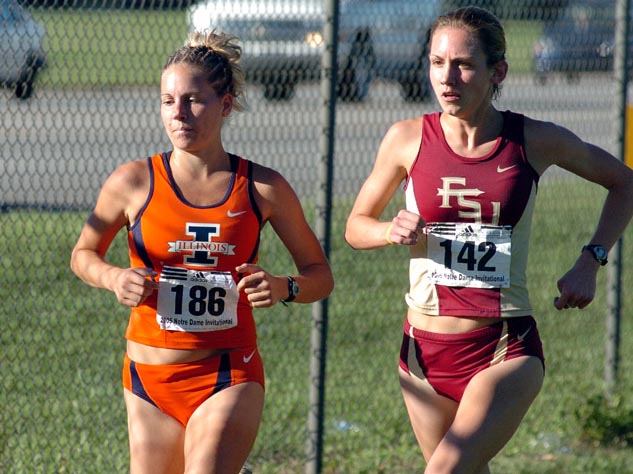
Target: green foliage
{"type": "Point", "coordinates": [606, 422]}
{"type": "Point", "coordinates": [97, 48]}
{"type": "Point", "coordinates": [62, 342]}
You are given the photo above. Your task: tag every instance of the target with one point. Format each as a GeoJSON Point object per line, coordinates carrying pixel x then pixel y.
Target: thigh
{"type": "Point", "coordinates": [156, 439]}
{"type": "Point", "coordinates": [492, 407]}
{"type": "Point", "coordinates": [430, 413]}
{"type": "Point", "coordinates": [221, 432]}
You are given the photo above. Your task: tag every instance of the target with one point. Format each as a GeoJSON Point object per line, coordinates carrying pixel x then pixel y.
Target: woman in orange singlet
{"type": "Point", "coordinates": [192, 375]}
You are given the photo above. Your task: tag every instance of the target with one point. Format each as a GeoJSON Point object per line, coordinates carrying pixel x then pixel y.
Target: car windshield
{"type": "Point", "coordinates": [583, 25]}
{"type": "Point", "coordinates": [9, 13]}
{"type": "Point", "coordinates": [586, 18]}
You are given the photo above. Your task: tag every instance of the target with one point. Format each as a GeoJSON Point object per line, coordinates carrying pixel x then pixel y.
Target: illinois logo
{"type": "Point", "coordinates": [201, 250]}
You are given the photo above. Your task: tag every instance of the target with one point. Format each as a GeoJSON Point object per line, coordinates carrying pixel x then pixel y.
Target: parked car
{"type": "Point", "coordinates": [515, 10]}
{"type": "Point", "coordinates": [580, 40]}
{"type": "Point", "coordinates": [21, 51]}
{"type": "Point", "coordinates": [282, 42]}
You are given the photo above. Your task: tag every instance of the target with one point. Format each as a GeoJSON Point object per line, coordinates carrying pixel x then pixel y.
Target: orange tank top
{"type": "Point", "coordinates": [194, 250]}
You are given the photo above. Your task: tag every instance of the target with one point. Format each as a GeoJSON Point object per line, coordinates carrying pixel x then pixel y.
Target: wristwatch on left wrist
{"type": "Point", "coordinates": [293, 290]}
{"type": "Point", "coordinates": [599, 252]}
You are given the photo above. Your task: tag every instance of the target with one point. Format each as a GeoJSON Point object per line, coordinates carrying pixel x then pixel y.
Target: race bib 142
{"type": "Point", "coordinates": [471, 255]}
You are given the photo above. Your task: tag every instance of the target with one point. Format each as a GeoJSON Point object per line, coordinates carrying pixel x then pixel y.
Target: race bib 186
{"type": "Point", "coordinates": [196, 301]}
{"type": "Point", "coordinates": [471, 255]}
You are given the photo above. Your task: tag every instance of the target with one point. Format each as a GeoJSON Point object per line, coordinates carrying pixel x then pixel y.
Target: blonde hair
{"type": "Point", "coordinates": [217, 54]}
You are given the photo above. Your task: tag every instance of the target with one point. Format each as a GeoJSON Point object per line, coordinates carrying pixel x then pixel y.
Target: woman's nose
{"type": "Point", "coordinates": [180, 109]}
{"type": "Point", "coordinates": [447, 75]}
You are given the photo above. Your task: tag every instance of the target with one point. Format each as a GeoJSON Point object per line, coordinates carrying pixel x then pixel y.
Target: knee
{"type": "Point", "coordinates": [437, 468]}
{"type": "Point", "coordinates": [456, 462]}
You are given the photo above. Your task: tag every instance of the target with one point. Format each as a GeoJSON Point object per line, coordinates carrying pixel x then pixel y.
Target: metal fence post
{"type": "Point", "coordinates": [614, 273]}
{"type": "Point", "coordinates": [323, 226]}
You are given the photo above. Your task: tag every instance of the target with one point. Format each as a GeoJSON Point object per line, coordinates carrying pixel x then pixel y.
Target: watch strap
{"type": "Point", "coordinates": [292, 290]}
{"type": "Point", "coordinates": [599, 252]}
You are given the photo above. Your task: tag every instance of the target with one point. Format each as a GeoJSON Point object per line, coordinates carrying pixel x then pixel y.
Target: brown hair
{"type": "Point", "coordinates": [483, 26]}
{"type": "Point", "coordinates": [217, 55]}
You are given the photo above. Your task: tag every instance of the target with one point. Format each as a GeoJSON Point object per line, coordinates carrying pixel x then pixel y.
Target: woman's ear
{"type": "Point", "coordinates": [499, 72]}
{"type": "Point", "coordinates": [227, 105]}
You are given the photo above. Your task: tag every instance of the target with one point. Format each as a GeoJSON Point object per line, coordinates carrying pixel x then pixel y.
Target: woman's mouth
{"type": "Point", "coordinates": [450, 96]}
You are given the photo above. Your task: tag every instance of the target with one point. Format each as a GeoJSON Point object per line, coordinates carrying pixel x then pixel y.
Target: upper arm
{"type": "Point", "coordinates": [549, 144]}
{"type": "Point", "coordinates": [281, 207]}
{"type": "Point", "coordinates": [116, 206]}
{"type": "Point", "coordinates": [394, 159]}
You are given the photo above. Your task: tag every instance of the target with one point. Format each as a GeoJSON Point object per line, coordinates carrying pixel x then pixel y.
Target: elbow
{"type": "Point", "coordinates": [349, 237]}
{"type": "Point", "coordinates": [347, 240]}
{"type": "Point", "coordinates": [73, 261]}
{"type": "Point", "coordinates": [629, 178]}
{"type": "Point", "coordinates": [623, 186]}
{"type": "Point", "coordinates": [77, 262]}
{"type": "Point", "coordinates": [329, 285]}
{"type": "Point", "coordinates": [624, 181]}
{"type": "Point", "coordinates": [325, 284]}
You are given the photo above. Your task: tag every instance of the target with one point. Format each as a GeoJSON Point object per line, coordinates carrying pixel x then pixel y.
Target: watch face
{"type": "Point", "coordinates": [600, 252]}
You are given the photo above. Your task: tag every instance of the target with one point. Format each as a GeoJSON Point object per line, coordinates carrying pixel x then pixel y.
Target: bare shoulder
{"type": "Point", "coordinates": [535, 129]}
{"type": "Point", "coordinates": [130, 175]}
{"type": "Point", "coordinates": [401, 143]}
{"type": "Point", "coordinates": [548, 143]}
{"type": "Point", "coordinates": [125, 191]}
{"type": "Point", "coordinates": [266, 177]}
{"type": "Point", "coordinates": [405, 132]}
{"type": "Point", "coordinates": [272, 190]}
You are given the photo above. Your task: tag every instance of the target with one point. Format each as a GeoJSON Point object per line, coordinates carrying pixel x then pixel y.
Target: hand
{"type": "Point", "coordinates": [262, 289]}
{"type": "Point", "coordinates": [405, 228]}
{"type": "Point", "coordinates": [577, 288]}
{"type": "Point", "coordinates": [133, 285]}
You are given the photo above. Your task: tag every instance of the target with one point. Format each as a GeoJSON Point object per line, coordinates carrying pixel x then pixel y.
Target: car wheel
{"type": "Point", "coordinates": [414, 85]}
{"type": "Point", "coordinates": [24, 86]}
{"type": "Point", "coordinates": [540, 78]}
{"type": "Point", "coordinates": [279, 91]}
{"type": "Point", "coordinates": [358, 70]}
{"type": "Point", "coordinates": [414, 91]}
{"type": "Point", "coordinates": [573, 78]}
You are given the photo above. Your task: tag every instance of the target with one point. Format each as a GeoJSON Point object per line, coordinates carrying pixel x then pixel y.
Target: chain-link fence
{"type": "Point", "coordinates": [81, 97]}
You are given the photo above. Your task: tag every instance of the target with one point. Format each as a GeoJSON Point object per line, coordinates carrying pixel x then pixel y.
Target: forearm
{"type": "Point", "coordinates": [365, 233]}
{"type": "Point", "coordinates": [92, 269]}
{"type": "Point", "coordinates": [315, 283]}
{"type": "Point", "coordinates": [616, 214]}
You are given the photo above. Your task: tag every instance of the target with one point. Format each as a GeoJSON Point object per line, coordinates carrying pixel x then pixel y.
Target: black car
{"type": "Point", "coordinates": [283, 42]}
{"type": "Point", "coordinates": [580, 40]}
{"type": "Point", "coordinates": [21, 51]}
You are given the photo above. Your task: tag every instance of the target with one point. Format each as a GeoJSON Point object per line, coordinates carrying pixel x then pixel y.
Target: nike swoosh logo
{"type": "Point", "coordinates": [501, 169]}
{"type": "Point", "coordinates": [234, 214]}
{"type": "Point", "coordinates": [520, 337]}
{"type": "Point", "coordinates": [248, 358]}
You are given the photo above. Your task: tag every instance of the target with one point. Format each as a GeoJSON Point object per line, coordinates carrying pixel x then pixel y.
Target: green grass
{"type": "Point", "coordinates": [108, 48]}
{"type": "Point", "coordinates": [62, 342]}
{"type": "Point", "coordinates": [97, 48]}
{"type": "Point", "coordinates": [520, 37]}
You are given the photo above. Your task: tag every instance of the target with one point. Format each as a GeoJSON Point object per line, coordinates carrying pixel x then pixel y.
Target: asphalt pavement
{"type": "Point", "coordinates": [59, 146]}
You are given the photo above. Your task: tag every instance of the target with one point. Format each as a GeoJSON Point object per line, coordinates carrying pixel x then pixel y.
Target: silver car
{"type": "Point", "coordinates": [21, 51]}
{"type": "Point", "coordinates": [282, 42]}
